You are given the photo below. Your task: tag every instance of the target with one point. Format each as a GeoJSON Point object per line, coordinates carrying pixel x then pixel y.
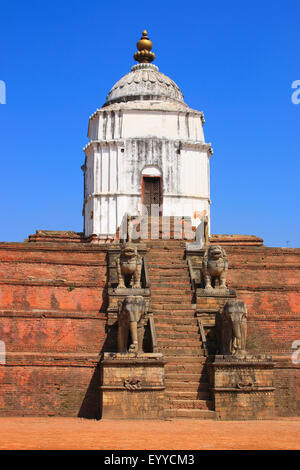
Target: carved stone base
{"type": "Point", "coordinates": [242, 387]}
{"type": "Point", "coordinates": [133, 386]}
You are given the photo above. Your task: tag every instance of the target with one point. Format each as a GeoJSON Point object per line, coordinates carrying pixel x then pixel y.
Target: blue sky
{"type": "Point", "coordinates": [234, 60]}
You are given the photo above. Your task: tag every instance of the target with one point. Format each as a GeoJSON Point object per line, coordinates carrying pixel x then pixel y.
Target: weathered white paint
{"type": "Point", "coordinates": [150, 170]}
{"type": "Point", "coordinates": [106, 125]}
{"type": "Point", "coordinates": [160, 136]}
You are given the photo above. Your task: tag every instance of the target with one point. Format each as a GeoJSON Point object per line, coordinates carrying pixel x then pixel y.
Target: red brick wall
{"type": "Point", "coordinates": [52, 320]}
{"type": "Point", "coordinates": [268, 280]}
{"type": "Point", "coordinates": [50, 391]}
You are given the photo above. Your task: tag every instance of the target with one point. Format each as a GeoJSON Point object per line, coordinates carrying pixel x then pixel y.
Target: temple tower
{"type": "Point", "coordinates": [146, 147]}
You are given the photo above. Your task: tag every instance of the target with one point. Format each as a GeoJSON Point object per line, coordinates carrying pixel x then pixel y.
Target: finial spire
{"type": "Point", "coordinates": [144, 54]}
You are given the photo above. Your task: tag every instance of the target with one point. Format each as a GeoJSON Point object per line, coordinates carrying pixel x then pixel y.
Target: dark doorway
{"type": "Point", "coordinates": [151, 194]}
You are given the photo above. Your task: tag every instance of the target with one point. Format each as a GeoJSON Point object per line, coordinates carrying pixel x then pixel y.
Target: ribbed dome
{"type": "Point", "coordinates": [144, 82]}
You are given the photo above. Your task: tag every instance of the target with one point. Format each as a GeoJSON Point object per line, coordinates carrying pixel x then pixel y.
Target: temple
{"type": "Point", "coordinates": [146, 314]}
{"type": "Point", "coordinates": [146, 152]}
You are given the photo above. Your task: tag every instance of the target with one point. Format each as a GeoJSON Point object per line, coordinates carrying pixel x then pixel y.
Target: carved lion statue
{"type": "Point", "coordinates": [129, 266]}
{"type": "Point", "coordinates": [131, 319]}
{"type": "Point", "coordinates": [214, 267]}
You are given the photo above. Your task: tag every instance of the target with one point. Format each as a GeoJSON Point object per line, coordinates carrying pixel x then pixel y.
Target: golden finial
{"type": "Point", "coordinates": [144, 54]}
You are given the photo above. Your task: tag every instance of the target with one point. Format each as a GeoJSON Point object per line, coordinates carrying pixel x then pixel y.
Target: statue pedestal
{"type": "Point", "coordinates": [213, 299]}
{"type": "Point", "coordinates": [242, 387]}
{"type": "Point", "coordinates": [133, 386]}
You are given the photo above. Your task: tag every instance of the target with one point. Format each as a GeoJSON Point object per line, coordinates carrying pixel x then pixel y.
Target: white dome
{"type": "Point", "coordinates": [144, 82]}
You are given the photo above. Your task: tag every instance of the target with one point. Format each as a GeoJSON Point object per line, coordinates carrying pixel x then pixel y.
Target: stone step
{"type": "Point", "coordinates": [186, 367]}
{"type": "Point", "coordinates": [166, 243]}
{"type": "Point", "coordinates": [176, 328]}
{"type": "Point", "coordinates": [167, 264]}
{"type": "Point", "coordinates": [158, 280]}
{"type": "Point", "coordinates": [174, 306]}
{"type": "Point", "coordinates": [179, 349]}
{"type": "Point", "coordinates": [186, 359]}
{"type": "Point", "coordinates": [186, 386]}
{"type": "Point", "coordinates": [188, 395]}
{"type": "Point", "coordinates": [181, 294]}
{"type": "Point", "coordinates": [164, 319]}
{"type": "Point", "coordinates": [182, 297]}
{"type": "Point", "coordinates": [179, 329]}
{"type": "Point", "coordinates": [190, 414]}
{"type": "Point", "coordinates": [190, 404]}
{"type": "Point", "coordinates": [168, 269]}
{"type": "Point", "coordinates": [172, 252]}
{"type": "Point", "coordinates": [157, 255]}
{"type": "Point", "coordinates": [172, 351]}
{"type": "Point", "coordinates": [179, 337]}
{"type": "Point", "coordinates": [186, 377]}
{"type": "Point", "coordinates": [162, 282]}
{"type": "Point", "coordinates": [173, 248]}
{"type": "Point", "coordinates": [174, 316]}
{"type": "Point", "coordinates": [163, 257]}
{"type": "Point", "coordinates": [194, 374]}
{"type": "Point", "coordinates": [166, 277]}
{"type": "Point", "coordinates": [168, 289]}
{"type": "Point", "coordinates": [169, 283]}
{"type": "Point", "coordinates": [172, 273]}
{"type": "Point", "coordinates": [154, 256]}
{"type": "Point", "coordinates": [180, 340]}
{"type": "Point", "coordinates": [165, 261]}
{"type": "Point", "coordinates": [171, 294]}
{"type": "Point", "coordinates": [171, 301]}
{"type": "Point", "coordinates": [177, 371]}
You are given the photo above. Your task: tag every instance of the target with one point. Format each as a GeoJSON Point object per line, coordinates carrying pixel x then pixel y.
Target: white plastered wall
{"type": "Point", "coordinates": [125, 143]}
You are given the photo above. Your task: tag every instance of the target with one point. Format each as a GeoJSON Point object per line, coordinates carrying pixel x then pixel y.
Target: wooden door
{"type": "Point", "coordinates": [151, 193]}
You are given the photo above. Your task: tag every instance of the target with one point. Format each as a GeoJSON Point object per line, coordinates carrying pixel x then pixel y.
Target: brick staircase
{"type": "Point", "coordinates": [178, 337]}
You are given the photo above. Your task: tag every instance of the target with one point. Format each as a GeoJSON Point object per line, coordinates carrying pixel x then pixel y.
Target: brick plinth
{"type": "Point", "coordinates": [132, 386]}
{"type": "Point", "coordinates": [242, 388]}
{"type": "Point", "coordinates": [54, 320]}
{"type": "Point", "coordinates": [53, 386]}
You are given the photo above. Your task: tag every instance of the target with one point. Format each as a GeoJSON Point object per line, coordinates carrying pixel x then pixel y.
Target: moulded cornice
{"type": "Point", "coordinates": [96, 144]}
{"type": "Point", "coordinates": [178, 143]}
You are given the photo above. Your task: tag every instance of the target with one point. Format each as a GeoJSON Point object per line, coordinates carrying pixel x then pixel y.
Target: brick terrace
{"type": "Point", "coordinates": [53, 317]}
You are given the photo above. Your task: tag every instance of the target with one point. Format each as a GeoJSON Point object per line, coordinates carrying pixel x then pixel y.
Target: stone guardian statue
{"type": "Point", "coordinates": [232, 328]}
{"type": "Point", "coordinates": [129, 267]}
{"type": "Point", "coordinates": [131, 319]}
{"type": "Point", "coordinates": [214, 267]}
